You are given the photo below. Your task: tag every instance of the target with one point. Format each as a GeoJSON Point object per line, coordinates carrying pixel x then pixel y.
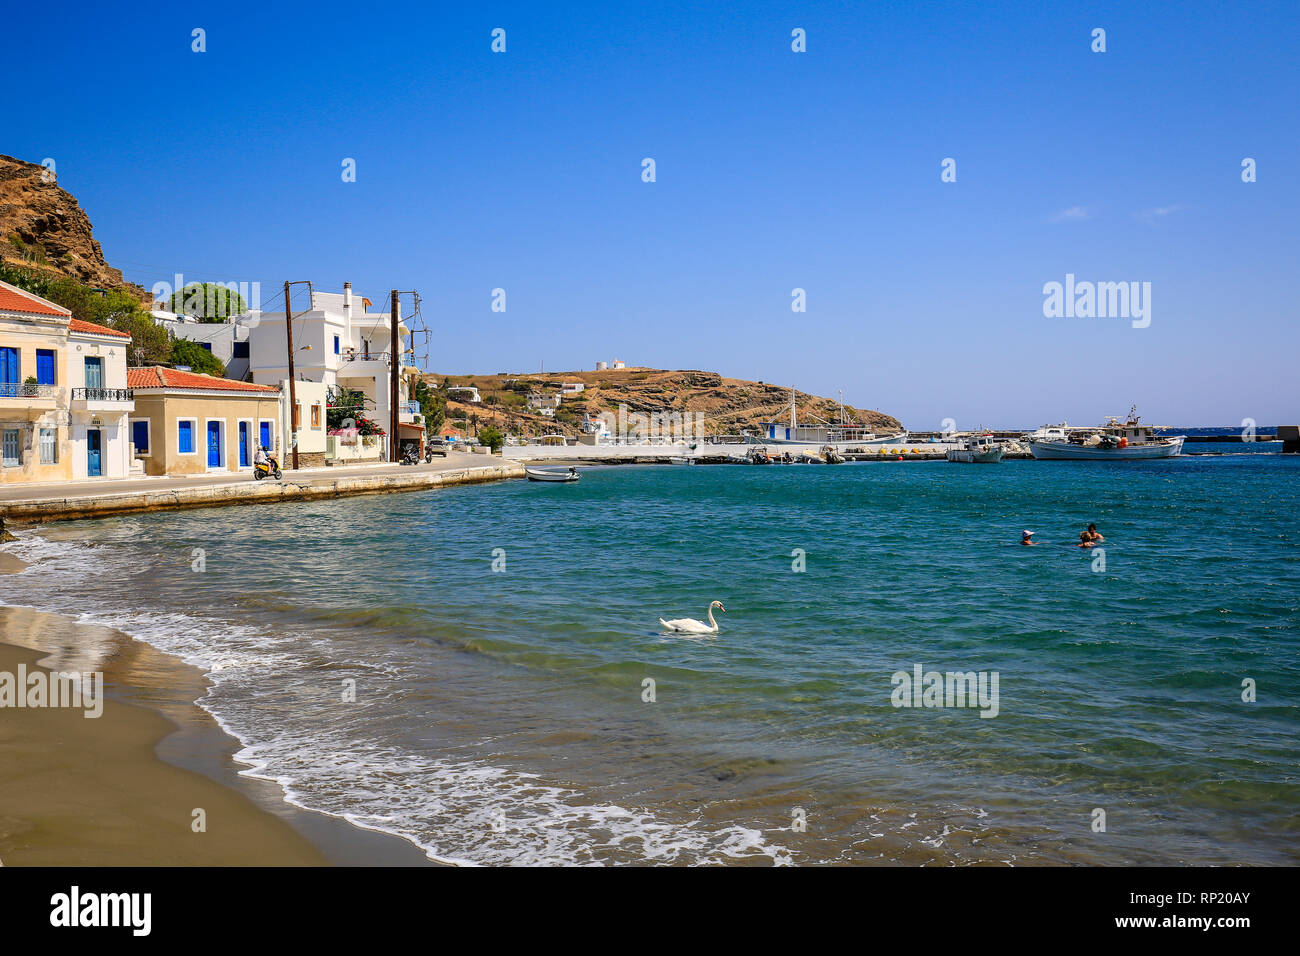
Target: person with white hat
{"type": "Point", "coordinates": [1027, 537]}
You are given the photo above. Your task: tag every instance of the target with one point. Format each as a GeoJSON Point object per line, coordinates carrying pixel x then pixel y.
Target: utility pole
{"type": "Point", "coordinates": [293, 394]}
{"type": "Point", "coordinates": [395, 367]}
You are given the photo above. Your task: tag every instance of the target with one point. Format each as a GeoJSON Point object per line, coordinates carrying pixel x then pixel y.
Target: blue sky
{"type": "Point", "coordinates": [775, 170]}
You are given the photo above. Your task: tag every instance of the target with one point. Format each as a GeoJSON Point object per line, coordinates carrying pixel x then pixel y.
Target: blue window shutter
{"type": "Point", "coordinates": [336, 345]}
{"type": "Point", "coordinates": [9, 367]}
{"type": "Point", "coordinates": [140, 435]}
{"type": "Point", "coordinates": [186, 436]}
{"type": "Point", "coordinates": [45, 367]}
{"type": "Point", "coordinates": [94, 372]}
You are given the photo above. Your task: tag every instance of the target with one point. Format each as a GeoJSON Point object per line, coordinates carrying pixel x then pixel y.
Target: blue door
{"type": "Point", "coordinates": [214, 444]}
{"type": "Point", "coordinates": [265, 437]}
{"type": "Point", "coordinates": [94, 372]}
{"type": "Point", "coordinates": [243, 444]}
{"type": "Point", "coordinates": [9, 377]}
{"type": "Point", "coordinates": [92, 453]}
{"type": "Point", "coordinates": [45, 367]}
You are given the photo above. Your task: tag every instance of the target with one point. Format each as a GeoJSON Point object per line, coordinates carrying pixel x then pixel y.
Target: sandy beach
{"type": "Point", "coordinates": [123, 789]}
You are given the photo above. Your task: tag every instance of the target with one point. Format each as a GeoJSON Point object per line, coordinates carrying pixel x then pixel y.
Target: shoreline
{"type": "Point", "coordinates": [121, 789]}
{"type": "Point", "coordinates": [91, 500]}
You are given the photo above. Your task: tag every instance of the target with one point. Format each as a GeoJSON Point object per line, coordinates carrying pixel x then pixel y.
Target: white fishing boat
{"type": "Point", "coordinates": [1059, 432]}
{"type": "Point", "coordinates": [1129, 440]}
{"type": "Point", "coordinates": [550, 474]}
{"type": "Point", "coordinates": [680, 460]}
{"type": "Point", "coordinates": [977, 450]}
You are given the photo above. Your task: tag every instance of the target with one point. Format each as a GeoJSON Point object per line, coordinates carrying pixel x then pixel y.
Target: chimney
{"type": "Point", "coordinates": [347, 301]}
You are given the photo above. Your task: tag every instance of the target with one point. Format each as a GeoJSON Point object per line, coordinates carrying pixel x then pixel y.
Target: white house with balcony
{"type": "Point", "coordinates": [64, 401]}
{"type": "Point", "coordinates": [340, 343]}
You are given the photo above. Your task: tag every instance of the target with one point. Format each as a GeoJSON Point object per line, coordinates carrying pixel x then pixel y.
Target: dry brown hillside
{"type": "Point", "coordinates": [42, 227]}
{"type": "Point", "coordinates": [728, 404]}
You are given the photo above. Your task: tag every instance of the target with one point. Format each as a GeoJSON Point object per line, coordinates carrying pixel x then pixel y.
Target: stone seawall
{"type": "Point", "coordinates": [64, 508]}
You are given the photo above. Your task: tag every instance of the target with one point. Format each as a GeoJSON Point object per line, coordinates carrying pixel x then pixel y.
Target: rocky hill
{"type": "Point", "coordinates": [729, 405]}
{"type": "Point", "coordinates": [43, 228]}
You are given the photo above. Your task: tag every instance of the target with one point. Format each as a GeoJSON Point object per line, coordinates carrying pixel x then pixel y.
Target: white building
{"type": "Point", "coordinates": [226, 340]}
{"type": "Point", "coordinates": [461, 393]}
{"type": "Point", "coordinates": [618, 363]}
{"type": "Point", "coordinates": [572, 388]}
{"type": "Point", "coordinates": [544, 403]}
{"type": "Point", "coordinates": [341, 345]}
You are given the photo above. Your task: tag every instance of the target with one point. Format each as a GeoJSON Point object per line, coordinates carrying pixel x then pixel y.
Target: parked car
{"type": "Point", "coordinates": [434, 446]}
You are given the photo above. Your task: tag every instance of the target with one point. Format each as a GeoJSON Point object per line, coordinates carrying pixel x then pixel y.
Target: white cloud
{"type": "Point", "coordinates": [1151, 215]}
{"type": "Point", "coordinates": [1073, 214]}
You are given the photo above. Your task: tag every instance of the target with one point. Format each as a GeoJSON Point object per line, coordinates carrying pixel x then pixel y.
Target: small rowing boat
{"type": "Point", "coordinates": [547, 474]}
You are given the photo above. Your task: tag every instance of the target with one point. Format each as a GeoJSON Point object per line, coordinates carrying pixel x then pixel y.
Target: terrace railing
{"type": "Point", "coordinates": [102, 394]}
{"type": "Point", "coordinates": [21, 390]}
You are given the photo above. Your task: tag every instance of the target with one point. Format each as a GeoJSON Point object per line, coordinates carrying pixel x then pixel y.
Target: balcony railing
{"type": "Point", "coordinates": [19, 390]}
{"type": "Point", "coordinates": [411, 408]}
{"type": "Point", "coordinates": [102, 395]}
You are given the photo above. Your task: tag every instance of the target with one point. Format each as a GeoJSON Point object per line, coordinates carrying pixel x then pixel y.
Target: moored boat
{"type": "Point", "coordinates": [547, 474]}
{"type": "Point", "coordinates": [1114, 441]}
{"type": "Point", "coordinates": [978, 450]}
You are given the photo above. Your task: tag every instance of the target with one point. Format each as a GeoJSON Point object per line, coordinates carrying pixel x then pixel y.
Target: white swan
{"type": "Point", "coordinates": [688, 625]}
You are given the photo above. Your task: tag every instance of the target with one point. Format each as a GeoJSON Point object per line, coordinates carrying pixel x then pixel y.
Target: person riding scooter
{"type": "Point", "coordinates": [265, 464]}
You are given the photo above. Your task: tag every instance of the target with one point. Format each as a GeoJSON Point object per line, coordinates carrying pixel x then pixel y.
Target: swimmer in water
{"type": "Point", "coordinates": [1027, 538]}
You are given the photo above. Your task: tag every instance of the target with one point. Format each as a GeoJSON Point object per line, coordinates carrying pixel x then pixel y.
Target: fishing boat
{"type": "Point", "coordinates": [977, 450]}
{"type": "Point", "coordinates": [548, 474]}
{"type": "Point", "coordinates": [1129, 440]}
{"type": "Point", "coordinates": [680, 460]}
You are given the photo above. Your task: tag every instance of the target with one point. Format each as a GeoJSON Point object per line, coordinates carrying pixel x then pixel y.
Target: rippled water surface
{"type": "Point", "coordinates": [502, 716]}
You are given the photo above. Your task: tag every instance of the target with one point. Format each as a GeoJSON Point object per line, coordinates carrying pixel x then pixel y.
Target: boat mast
{"type": "Point", "coordinates": [793, 423]}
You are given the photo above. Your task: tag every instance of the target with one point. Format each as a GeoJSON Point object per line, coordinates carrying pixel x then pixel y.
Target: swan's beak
{"type": "Point", "coordinates": [722, 609]}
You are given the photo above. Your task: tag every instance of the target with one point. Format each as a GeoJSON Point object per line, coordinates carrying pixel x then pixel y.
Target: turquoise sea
{"type": "Point", "coordinates": [506, 715]}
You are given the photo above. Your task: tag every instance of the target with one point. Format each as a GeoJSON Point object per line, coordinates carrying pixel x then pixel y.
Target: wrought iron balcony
{"type": "Point", "coordinates": [102, 395]}
{"type": "Point", "coordinates": [21, 390]}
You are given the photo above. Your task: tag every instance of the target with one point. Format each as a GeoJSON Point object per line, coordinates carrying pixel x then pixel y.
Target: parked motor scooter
{"type": "Point", "coordinates": [265, 469]}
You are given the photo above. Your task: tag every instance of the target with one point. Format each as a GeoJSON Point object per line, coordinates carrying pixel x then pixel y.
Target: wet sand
{"type": "Point", "coordinates": [122, 789]}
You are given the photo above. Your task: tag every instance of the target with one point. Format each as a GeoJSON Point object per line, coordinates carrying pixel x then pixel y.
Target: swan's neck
{"type": "Point", "coordinates": [712, 623]}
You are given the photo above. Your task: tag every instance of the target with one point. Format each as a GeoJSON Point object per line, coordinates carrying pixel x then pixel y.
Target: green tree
{"type": "Point", "coordinates": [207, 301]}
{"type": "Point", "coordinates": [185, 352]}
{"type": "Point", "coordinates": [433, 406]}
{"type": "Point", "coordinates": [151, 344]}
{"type": "Point", "coordinates": [491, 436]}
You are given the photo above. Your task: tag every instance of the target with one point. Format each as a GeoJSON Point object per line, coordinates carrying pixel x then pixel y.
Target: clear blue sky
{"type": "Point", "coordinates": [775, 170]}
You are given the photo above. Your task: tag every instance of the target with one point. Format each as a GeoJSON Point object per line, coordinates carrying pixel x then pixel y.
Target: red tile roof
{"type": "Point", "coordinates": [13, 299]}
{"type": "Point", "coordinates": [77, 325]}
{"type": "Point", "coordinates": [157, 377]}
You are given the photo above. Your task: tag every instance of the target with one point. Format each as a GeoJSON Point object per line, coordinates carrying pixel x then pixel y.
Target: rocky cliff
{"type": "Point", "coordinates": [42, 227]}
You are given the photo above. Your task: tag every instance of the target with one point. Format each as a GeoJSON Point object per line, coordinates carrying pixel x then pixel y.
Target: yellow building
{"type": "Point", "coordinates": [64, 400]}
{"type": "Point", "coordinates": [185, 423]}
